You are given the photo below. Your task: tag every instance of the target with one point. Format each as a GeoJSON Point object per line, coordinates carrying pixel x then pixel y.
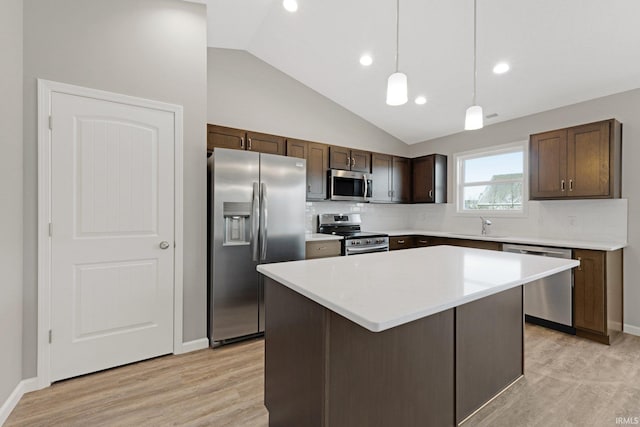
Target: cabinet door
{"type": "Point", "coordinates": [360, 161]}
{"type": "Point", "coordinates": [317, 165]}
{"type": "Point", "coordinates": [381, 173]}
{"type": "Point", "coordinates": [422, 241]}
{"type": "Point", "coordinates": [588, 160]}
{"type": "Point", "coordinates": [322, 249]}
{"type": "Point", "coordinates": [264, 143]}
{"type": "Point", "coordinates": [547, 165]}
{"type": "Point", "coordinates": [340, 158]}
{"type": "Point", "coordinates": [296, 148]}
{"type": "Point", "coordinates": [589, 291]}
{"type": "Point", "coordinates": [423, 179]}
{"type": "Point", "coordinates": [223, 137]}
{"type": "Point", "coordinates": [400, 242]}
{"type": "Point", "coordinates": [401, 180]}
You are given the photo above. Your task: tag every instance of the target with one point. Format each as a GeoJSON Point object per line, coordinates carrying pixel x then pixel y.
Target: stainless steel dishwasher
{"type": "Point", "coordinates": [548, 301]}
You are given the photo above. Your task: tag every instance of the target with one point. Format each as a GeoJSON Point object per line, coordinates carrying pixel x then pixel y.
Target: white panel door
{"type": "Point", "coordinates": [112, 206]}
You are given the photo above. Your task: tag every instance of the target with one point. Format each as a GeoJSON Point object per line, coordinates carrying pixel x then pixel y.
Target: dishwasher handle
{"type": "Point", "coordinates": [538, 250]}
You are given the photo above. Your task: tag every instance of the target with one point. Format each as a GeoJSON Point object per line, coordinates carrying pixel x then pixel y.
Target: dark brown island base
{"type": "Point", "coordinates": [371, 340]}
{"type": "Point", "coordinates": [322, 369]}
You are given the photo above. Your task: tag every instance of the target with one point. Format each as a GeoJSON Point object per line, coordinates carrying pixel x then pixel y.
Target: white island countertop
{"type": "Point", "coordinates": [382, 290]}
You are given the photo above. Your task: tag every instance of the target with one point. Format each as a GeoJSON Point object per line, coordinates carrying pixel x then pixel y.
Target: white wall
{"type": "Point", "coordinates": [154, 49]}
{"type": "Point", "coordinates": [11, 196]}
{"type": "Point", "coordinates": [592, 219]}
{"type": "Point", "coordinates": [247, 93]}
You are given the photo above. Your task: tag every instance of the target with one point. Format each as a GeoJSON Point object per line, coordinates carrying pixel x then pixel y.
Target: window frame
{"type": "Point", "coordinates": [460, 158]}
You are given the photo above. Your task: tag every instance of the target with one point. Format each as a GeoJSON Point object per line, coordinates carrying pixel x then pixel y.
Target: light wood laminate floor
{"type": "Point", "coordinates": [569, 381]}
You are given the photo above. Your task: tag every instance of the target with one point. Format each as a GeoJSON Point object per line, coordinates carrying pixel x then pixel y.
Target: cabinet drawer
{"type": "Point", "coordinates": [422, 242]}
{"type": "Point", "coordinates": [322, 249]}
{"type": "Point", "coordinates": [401, 242]}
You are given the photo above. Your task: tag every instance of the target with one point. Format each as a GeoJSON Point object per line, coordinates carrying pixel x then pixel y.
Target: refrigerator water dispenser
{"type": "Point", "coordinates": [237, 228]}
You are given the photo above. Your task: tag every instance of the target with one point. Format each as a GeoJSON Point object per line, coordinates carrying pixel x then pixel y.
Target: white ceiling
{"type": "Point", "coordinates": [561, 52]}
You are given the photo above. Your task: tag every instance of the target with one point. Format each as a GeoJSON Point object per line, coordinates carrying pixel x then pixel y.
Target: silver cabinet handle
{"type": "Point", "coordinates": [401, 242]}
{"type": "Point", "coordinates": [263, 221]}
{"type": "Point", "coordinates": [562, 185]}
{"type": "Point", "coordinates": [249, 146]}
{"type": "Point", "coordinates": [242, 142]}
{"type": "Point", "coordinates": [348, 161]}
{"type": "Point", "coordinates": [164, 245]}
{"type": "Point", "coordinates": [570, 185]}
{"type": "Point", "coordinates": [580, 265]}
{"type": "Point", "coordinates": [353, 162]}
{"type": "Point", "coordinates": [431, 194]}
{"type": "Point", "coordinates": [255, 221]}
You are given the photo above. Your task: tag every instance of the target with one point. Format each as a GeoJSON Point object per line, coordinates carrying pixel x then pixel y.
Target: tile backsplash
{"type": "Point", "coordinates": [586, 220]}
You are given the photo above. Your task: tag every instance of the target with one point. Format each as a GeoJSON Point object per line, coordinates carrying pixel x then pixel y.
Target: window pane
{"type": "Point", "coordinates": [504, 196]}
{"type": "Point", "coordinates": [507, 165]}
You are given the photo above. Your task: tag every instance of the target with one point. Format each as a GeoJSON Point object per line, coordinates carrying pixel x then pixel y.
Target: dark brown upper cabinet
{"type": "Point", "coordinates": [430, 179]}
{"type": "Point", "coordinates": [576, 162]}
{"type": "Point", "coordinates": [238, 139]}
{"type": "Point", "coordinates": [350, 160]}
{"type": "Point", "coordinates": [391, 178]}
{"type": "Point", "coordinates": [317, 156]}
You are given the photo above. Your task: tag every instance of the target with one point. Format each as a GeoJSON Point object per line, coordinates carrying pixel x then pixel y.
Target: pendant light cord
{"type": "Point", "coordinates": [475, 48]}
{"type": "Point", "coordinates": [398, 33]}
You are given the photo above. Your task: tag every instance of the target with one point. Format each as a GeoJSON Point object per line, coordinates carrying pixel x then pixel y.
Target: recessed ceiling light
{"type": "Point", "coordinates": [420, 100]}
{"type": "Point", "coordinates": [501, 68]}
{"type": "Point", "coordinates": [290, 5]}
{"type": "Point", "coordinates": [366, 60]}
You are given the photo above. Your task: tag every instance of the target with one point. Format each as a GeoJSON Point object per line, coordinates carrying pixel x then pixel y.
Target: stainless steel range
{"type": "Point", "coordinates": [355, 240]}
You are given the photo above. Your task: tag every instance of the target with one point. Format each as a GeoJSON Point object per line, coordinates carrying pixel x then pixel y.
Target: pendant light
{"type": "Point", "coordinates": [473, 119]}
{"type": "Point", "coordinates": [397, 82]}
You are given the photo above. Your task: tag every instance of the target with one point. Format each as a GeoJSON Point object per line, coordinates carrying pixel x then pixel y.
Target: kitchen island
{"type": "Point", "coordinates": [409, 338]}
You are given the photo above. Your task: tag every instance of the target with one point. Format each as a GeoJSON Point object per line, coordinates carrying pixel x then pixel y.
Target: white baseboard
{"type": "Point", "coordinates": [24, 386]}
{"type": "Point", "coordinates": [630, 329]}
{"type": "Point", "coordinates": [194, 345]}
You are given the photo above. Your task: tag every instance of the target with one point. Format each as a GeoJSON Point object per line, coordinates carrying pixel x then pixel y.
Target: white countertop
{"type": "Point", "coordinates": [381, 290]}
{"type": "Point", "coordinates": [316, 237]}
{"type": "Point", "coordinates": [539, 241]}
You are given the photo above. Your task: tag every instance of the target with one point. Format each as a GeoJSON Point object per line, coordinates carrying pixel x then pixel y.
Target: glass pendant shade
{"type": "Point", "coordinates": [473, 119]}
{"type": "Point", "coordinates": [397, 89]}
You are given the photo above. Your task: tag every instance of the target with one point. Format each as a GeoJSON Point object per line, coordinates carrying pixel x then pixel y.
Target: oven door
{"type": "Point", "coordinates": [351, 186]}
{"type": "Point", "coordinates": [366, 250]}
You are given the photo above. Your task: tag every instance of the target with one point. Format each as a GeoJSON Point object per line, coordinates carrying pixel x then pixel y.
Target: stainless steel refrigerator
{"type": "Point", "coordinates": [256, 215]}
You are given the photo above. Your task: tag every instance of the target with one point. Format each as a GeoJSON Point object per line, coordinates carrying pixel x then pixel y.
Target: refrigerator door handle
{"type": "Point", "coordinates": [263, 221]}
{"type": "Point", "coordinates": [255, 218]}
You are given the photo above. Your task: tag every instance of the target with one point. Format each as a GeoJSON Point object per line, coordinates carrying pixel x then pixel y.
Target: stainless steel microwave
{"type": "Point", "coordinates": [347, 185]}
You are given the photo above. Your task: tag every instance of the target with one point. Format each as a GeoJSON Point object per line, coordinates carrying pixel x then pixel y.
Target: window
{"type": "Point", "coordinates": [492, 180]}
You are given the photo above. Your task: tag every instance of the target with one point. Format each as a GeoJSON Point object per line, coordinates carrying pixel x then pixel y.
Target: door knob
{"type": "Point", "coordinates": [164, 245]}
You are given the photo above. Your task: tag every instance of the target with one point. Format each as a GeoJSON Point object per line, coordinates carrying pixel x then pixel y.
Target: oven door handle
{"type": "Point", "coordinates": [377, 248]}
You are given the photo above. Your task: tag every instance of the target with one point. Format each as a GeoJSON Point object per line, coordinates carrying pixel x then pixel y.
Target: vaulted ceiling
{"type": "Point", "coordinates": [560, 52]}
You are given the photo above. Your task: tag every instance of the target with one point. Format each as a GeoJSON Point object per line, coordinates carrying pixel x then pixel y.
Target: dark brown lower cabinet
{"type": "Point", "coordinates": [467, 243]}
{"type": "Point", "coordinates": [597, 298]}
{"type": "Point", "coordinates": [401, 242]}
{"type": "Point", "coordinates": [322, 369]}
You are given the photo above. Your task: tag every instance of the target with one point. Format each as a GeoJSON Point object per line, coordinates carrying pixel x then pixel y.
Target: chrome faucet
{"type": "Point", "coordinates": [485, 223]}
